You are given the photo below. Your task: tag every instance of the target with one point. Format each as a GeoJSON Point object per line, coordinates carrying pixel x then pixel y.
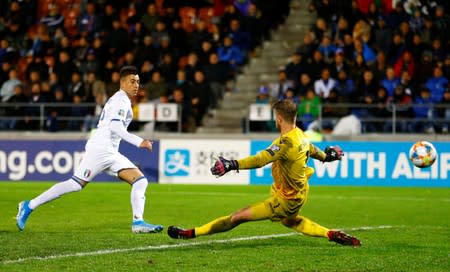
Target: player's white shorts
{"type": "Point", "coordinates": [95, 161]}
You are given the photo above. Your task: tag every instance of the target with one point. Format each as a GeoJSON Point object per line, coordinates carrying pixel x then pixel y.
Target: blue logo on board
{"type": "Point", "coordinates": [176, 162]}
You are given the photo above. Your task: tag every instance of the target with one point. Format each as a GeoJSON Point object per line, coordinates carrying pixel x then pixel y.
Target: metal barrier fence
{"type": "Point", "coordinates": [41, 116]}
{"type": "Point", "coordinates": [381, 118]}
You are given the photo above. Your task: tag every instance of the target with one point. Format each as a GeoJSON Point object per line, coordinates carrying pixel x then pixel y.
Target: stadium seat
{"type": "Point", "coordinates": [70, 21]}
{"type": "Point", "coordinates": [206, 14]}
{"type": "Point", "coordinates": [188, 18]}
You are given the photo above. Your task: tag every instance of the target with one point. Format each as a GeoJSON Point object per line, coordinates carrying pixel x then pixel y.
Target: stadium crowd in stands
{"type": "Point", "coordinates": [70, 51]}
{"type": "Point", "coordinates": [374, 53]}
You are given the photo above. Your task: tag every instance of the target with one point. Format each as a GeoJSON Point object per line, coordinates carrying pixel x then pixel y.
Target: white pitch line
{"type": "Point", "coordinates": [168, 246]}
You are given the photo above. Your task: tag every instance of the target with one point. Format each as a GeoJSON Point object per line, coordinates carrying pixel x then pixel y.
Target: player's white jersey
{"type": "Point", "coordinates": [117, 109]}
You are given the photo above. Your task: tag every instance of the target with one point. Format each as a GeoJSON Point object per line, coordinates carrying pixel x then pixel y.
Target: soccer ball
{"type": "Point", "coordinates": [422, 154]}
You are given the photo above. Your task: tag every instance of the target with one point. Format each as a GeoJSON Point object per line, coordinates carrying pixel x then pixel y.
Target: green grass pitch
{"type": "Point", "coordinates": [407, 229]}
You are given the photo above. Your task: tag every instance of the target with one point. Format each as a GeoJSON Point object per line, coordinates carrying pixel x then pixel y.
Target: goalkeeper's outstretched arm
{"type": "Point", "coordinates": [331, 153]}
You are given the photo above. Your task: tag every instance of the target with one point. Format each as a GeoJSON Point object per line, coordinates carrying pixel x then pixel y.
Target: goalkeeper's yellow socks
{"type": "Point", "coordinates": [220, 224]}
{"type": "Point", "coordinates": [310, 228]}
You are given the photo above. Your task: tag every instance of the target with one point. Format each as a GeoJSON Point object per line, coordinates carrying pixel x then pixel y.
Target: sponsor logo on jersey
{"type": "Point", "coordinates": [121, 113]}
{"type": "Point", "coordinates": [176, 162]}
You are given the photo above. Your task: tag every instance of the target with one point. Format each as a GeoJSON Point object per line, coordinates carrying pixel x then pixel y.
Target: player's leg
{"type": "Point", "coordinates": [129, 173]}
{"type": "Point", "coordinates": [256, 212]}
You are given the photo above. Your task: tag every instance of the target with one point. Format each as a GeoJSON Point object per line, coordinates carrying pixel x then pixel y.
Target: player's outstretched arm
{"type": "Point", "coordinates": [331, 153]}
{"type": "Point", "coordinates": [117, 128]}
{"type": "Point", "coordinates": [223, 166]}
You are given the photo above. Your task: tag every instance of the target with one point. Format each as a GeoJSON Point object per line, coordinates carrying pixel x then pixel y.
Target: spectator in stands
{"type": "Point", "coordinates": [109, 13]}
{"type": "Point", "coordinates": [417, 22]}
{"type": "Point", "coordinates": [78, 113]}
{"type": "Point", "coordinates": [290, 95]}
{"type": "Point", "coordinates": [159, 33]}
{"type": "Point", "coordinates": [80, 51]}
{"type": "Point", "coordinates": [406, 34]}
{"type": "Point", "coordinates": [206, 49]}
{"type": "Point", "coordinates": [382, 35]}
{"type": "Point", "coordinates": [423, 112]}
{"type": "Point", "coordinates": [150, 18]}
{"type": "Point", "coordinates": [156, 87]}
{"type": "Point", "coordinates": [403, 110]}
{"type": "Point", "coordinates": [230, 53]}
{"type": "Point", "coordinates": [76, 87]}
{"type": "Point", "coordinates": [192, 66]}
{"type": "Point", "coordinates": [179, 38]}
{"type": "Point", "coordinates": [4, 71]}
{"type": "Point", "coordinates": [100, 51]}
{"type": "Point", "coordinates": [304, 84]}
{"type": "Point", "coordinates": [42, 43]}
{"type": "Point", "coordinates": [57, 109]}
{"type": "Point", "coordinates": [437, 85]}
{"type": "Point", "coordinates": [188, 123]}
{"type": "Point", "coordinates": [168, 69]}
{"type": "Point", "coordinates": [405, 63]}
{"type": "Point", "coordinates": [379, 110]}
{"type": "Point", "coordinates": [366, 88]}
{"type": "Point", "coordinates": [344, 86]}
{"type": "Point", "coordinates": [217, 73]}
{"type": "Point", "coordinates": [241, 38]}
{"type": "Point", "coordinates": [53, 19]}
{"type": "Point", "coordinates": [342, 28]}
{"type": "Point", "coordinates": [90, 21]}
{"type": "Point", "coordinates": [15, 112]}
{"type": "Point", "coordinates": [64, 67]}
{"type": "Point", "coordinates": [295, 68]}
{"type": "Point", "coordinates": [357, 69]}
{"type": "Point", "coordinates": [319, 29]}
{"type": "Point", "coordinates": [362, 32]}
{"type": "Point", "coordinates": [441, 22]}
{"type": "Point", "coordinates": [396, 49]}
{"type": "Point", "coordinates": [323, 86]}
{"type": "Point", "coordinates": [362, 48]}
{"type": "Point", "coordinates": [309, 108]}
{"type": "Point", "coordinates": [380, 66]}
{"type": "Point", "coordinates": [39, 65]}
{"type": "Point", "coordinates": [417, 47]}
{"type": "Point", "coordinates": [339, 63]}
{"type": "Point", "coordinates": [254, 24]}
{"type": "Point", "coordinates": [94, 86]}
{"type": "Point", "coordinates": [146, 51]}
{"type": "Point", "coordinates": [199, 35]}
{"type": "Point", "coordinates": [117, 39]}
{"type": "Point", "coordinates": [307, 47]}
{"type": "Point", "coordinates": [112, 85]}
{"type": "Point", "coordinates": [332, 109]}
{"type": "Point", "coordinates": [7, 89]}
{"type": "Point", "coordinates": [33, 111]}
{"type": "Point", "coordinates": [316, 65]}
{"type": "Point", "coordinates": [279, 88]}
{"type": "Point", "coordinates": [90, 63]}
{"type": "Point", "coordinates": [230, 13]}
{"type": "Point", "coordinates": [201, 93]}
{"type": "Point", "coordinates": [437, 50]}
{"type": "Point", "coordinates": [183, 84]}
{"type": "Point", "coordinates": [263, 96]}
{"type": "Point", "coordinates": [390, 81]}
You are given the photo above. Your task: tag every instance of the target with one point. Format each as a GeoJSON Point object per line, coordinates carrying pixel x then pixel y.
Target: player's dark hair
{"type": "Point", "coordinates": [286, 109]}
{"type": "Point", "coordinates": [128, 70]}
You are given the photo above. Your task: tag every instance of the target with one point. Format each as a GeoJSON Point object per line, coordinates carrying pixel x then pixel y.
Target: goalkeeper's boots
{"type": "Point", "coordinates": [140, 226]}
{"type": "Point", "coordinates": [343, 238]}
{"type": "Point", "coordinates": [22, 214]}
{"type": "Point", "coordinates": [177, 233]}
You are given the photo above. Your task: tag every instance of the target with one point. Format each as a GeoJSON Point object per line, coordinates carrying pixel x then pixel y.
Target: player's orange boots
{"type": "Point", "coordinates": [343, 238]}
{"type": "Point", "coordinates": [177, 233]}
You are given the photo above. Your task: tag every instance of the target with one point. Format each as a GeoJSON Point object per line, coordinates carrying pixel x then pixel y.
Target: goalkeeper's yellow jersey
{"type": "Point", "coordinates": [289, 154]}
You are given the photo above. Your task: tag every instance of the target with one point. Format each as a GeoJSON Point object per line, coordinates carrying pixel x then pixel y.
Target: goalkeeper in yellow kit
{"type": "Point", "coordinates": [289, 154]}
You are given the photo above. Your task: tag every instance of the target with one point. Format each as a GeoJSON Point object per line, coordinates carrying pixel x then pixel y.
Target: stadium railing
{"type": "Point", "coordinates": [394, 118]}
{"type": "Point", "coordinates": [38, 114]}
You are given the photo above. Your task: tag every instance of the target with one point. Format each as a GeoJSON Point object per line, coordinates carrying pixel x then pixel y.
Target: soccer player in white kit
{"type": "Point", "coordinates": [102, 154]}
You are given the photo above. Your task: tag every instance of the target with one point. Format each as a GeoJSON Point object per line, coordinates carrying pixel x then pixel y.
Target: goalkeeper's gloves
{"type": "Point", "coordinates": [333, 153]}
{"type": "Point", "coordinates": [222, 166]}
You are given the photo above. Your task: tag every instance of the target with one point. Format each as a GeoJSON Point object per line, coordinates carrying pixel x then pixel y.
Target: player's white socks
{"type": "Point", "coordinates": [138, 198]}
{"type": "Point", "coordinates": [55, 191]}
